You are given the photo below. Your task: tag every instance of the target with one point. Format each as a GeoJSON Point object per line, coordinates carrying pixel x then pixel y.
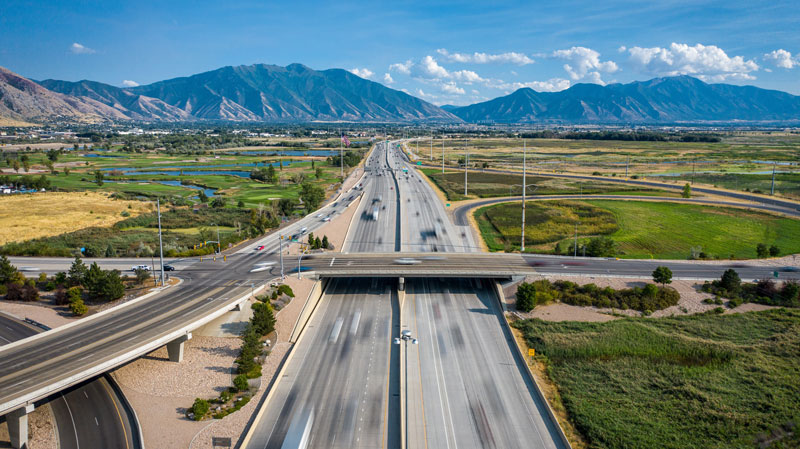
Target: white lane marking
{"type": "Point", "coordinates": [85, 357]}
{"type": "Point", "coordinates": [337, 327]}
{"type": "Point", "coordinates": [96, 421]}
{"type": "Point", "coordinates": [86, 394]}
{"type": "Point", "coordinates": [332, 260]}
{"type": "Point", "coordinates": [354, 324]}
{"type": "Point", "coordinates": [71, 418]}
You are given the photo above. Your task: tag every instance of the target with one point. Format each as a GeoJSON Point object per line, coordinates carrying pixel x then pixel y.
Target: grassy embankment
{"type": "Point", "coordinates": [641, 229]}
{"type": "Point", "coordinates": [702, 381]}
{"type": "Point", "coordinates": [490, 185]}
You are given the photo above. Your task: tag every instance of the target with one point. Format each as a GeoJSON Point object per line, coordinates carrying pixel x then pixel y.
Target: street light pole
{"type": "Point", "coordinates": [522, 243]}
{"type": "Point", "coordinates": [466, 164]}
{"type": "Point", "coordinates": [405, 337]}
{"type": "Point", "coordinates": [160, 243]}
{"type": "Point", "coordinates": [442, 155]}
{"type": "Point", "coordinates": [280, 252]}
{"type": "Point", "coordinates": [431, 145]}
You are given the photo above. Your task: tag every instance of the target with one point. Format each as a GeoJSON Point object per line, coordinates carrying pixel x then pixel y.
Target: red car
{"type": "Point", "coordinates": [259, 248]}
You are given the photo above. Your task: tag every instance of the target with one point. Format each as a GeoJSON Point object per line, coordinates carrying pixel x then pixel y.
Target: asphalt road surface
{"type": "Point", "coordinates": [89, 415]}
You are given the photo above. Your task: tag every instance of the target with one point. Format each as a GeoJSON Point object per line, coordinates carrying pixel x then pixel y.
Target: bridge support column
{"type": "Point", "coordinates": [18, 426]}
{"type": "Point", "coordinates": [401, 284]}
{"type": "Point", "coordinates": [175, 348]}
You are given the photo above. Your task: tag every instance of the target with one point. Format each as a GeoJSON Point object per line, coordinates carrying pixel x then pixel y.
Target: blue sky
{"type": "Point", "coordinates": [444, 52]}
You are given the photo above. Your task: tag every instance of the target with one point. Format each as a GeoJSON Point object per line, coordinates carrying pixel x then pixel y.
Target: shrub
{"type": "Point", "coordinates": [240, 382]}
{"type": "Point", "coordinates": [199, 408]}
{"type": "Point", "coordinates": [21, 292]}
{"type": "Point", "coordinates": [78, 308]}
{"type": "Point", "coordinates": [284, 289]}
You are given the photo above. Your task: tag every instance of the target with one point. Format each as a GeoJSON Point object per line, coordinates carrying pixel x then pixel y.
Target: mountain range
{"type": "Point", "coordinates": [296, 93]}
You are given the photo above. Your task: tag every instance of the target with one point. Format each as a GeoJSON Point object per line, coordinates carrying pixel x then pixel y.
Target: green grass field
{"type": "Point", "coordinates": [702, 381]}
{"type": "Point", "coordinates": [660, 230]}
{"type": "Point", "coordinates": [490, 185]}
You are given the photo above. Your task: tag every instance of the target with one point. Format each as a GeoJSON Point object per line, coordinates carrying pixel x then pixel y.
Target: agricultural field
{"type": "Point", "coordinates": [711, 381]}
{"type": "Point", "coordinates": [641, 229]}
{"type": "Point", "coordinates": [743, 158]}
{"type": "Point", "coordinates": [489, 185]}
{"type": "Point", "coordinates": [30, 216]}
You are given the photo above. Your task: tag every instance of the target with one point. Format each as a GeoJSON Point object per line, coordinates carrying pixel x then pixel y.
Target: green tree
{"type": "Point", "coordinates": [687, 191]}
{"type": "Point", "coordinates": [8, 272]}
{"type": "Point", "coordinates": [601, 247]}
{"type": "Point", "coordinates": [731, 282]}
{"type": "Point", "coordinates": [774, 251]}
{"type": "Point", "coordinates": [762, 251]}
{"type": "Point", "coordinates": [557, 249]}
{"type": "Point", "coordinates": [272, 177]}
{"type": "Point", "coordinates": [526, 295]}
{"type": "Point", "coordinates": [52, 155]}
{"type": "Point", "coordinates": [98, 177]}
{"type": "Point", "coordinates": [218, 202]}
{"type": "Point", "coordinates": [200, 408]}
{"type": "Point", "coordinates": [317, 243]}
{"type": "Point", "coordinates": [202, 196]}
{"type": "Point", "coordinates": [286, 206]}
{"type": "Point", "coordinates": [240, 204]}
{"type": "Point", "coordinates": [16, 165]}
{"type": "Point", "coordinates": [312, 196]}
{"type": "Point", "coordinates": [311, 242]}
{"type": "Point", "coordinates": [325, 243]}
{"type": "Point", "coordinates": [662, 275]}
{"type": "Point", "coordinates": [77, 307]}
{"type": "Point", "coordinates": [110, 252]}
{"type": "Point", "coordinates": [312, 165]}
{"type": "Point", "coordinates": [263, 318]}
{"type": "Point", "coordinates": [251, 348]}
{"type": "Point", "coordinates": [319, 173]}
{"type": "Point", "coordinates": [240, 382]}
{"type": "Point", "coordinates": [77, 272]}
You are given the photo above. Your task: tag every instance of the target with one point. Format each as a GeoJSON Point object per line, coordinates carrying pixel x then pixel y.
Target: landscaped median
{"type": "Point", "coordinates": [636, 229]}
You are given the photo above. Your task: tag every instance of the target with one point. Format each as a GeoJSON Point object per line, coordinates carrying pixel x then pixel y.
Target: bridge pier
{"type": "Point", "coordinates": [17, 421]}
{"type": "Point", "coordinates": [401, 284]}
{"type": "Point", "coordinates": [175, 348]}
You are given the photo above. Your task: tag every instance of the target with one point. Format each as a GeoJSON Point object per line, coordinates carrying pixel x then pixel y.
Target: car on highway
{"type": "Point", "coordinates": [302, 270]}
{"type": "Point", "coordinates": [140, 267]}
{"type": "Point", "coordinates": [407, 261]}
{"type": "Point", "coordinates": [326, 219]}
{"type": "Point", "coordinates": [789, 269]}
{"type": "Point", "coordinates": [169, 268]}
{"type": "Point", "coordinates": [259, 247]}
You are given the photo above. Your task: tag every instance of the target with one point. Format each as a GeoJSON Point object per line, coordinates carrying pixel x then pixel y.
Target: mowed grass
{"type": "Point", "coordinates": [642, 229]}
{"type": "Point", "coordinates": [702, 381]}
{"type": "Point", "coordinates": [490, 185]}
{"type": "Point", "coordinates": [29, 216]}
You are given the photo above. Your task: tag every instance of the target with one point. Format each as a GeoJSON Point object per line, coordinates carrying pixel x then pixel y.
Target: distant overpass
{"type": "Point", "coordinates": [501, 265]}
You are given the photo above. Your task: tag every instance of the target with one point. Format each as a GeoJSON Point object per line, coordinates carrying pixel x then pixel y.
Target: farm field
{"type": "Point", "coordinates": [710, 381]}
{"type": "Point", "coordinates": [641, 229]}
{"type": "Point", "coordinates": [743, 158]}
{"type": "Point", "coordinates": [30, 216]}
{"type": "Point", "coordinates": [489, 185]}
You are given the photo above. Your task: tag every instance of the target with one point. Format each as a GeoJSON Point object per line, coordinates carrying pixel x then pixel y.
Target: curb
{"type": "Point", "coordinates": [317, 291]}
{"type": "Point", "coordinates": [128, 407]}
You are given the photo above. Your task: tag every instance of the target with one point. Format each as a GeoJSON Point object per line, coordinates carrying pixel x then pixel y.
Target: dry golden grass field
{"type": "Point", "coordinates": [25, 217]}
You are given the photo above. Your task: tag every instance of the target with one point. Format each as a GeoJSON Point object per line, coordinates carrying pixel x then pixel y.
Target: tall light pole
{"type": "Point", "coordinates": [219, 244]}
{"type": "Point", "coordinates": [466, 163]}
{"type": "Point", "coordinates": [575, 255]}
{"type": "Point", "coordinates": [431, 145]}
{"type": "Point", "coordinates": [442, 155]}
{"type": "Point", "coordinates": [772, 189]}
{"type": "Point", "coordinates": [524, 187]}
{"type": "Point", "coordinates": [280, 252]}
{"type": "Point", "coordinates": [160, 244]}
{"type": "Point", "coordinates": [341, 156]}
{"type": "Point", "coordinates": [405, 337]}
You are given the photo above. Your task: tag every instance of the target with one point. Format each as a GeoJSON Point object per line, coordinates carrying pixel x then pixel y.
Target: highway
{"type": "Point", "coordinates": [99, 343]}
{"type": "Point", "coordinates": [88, 415]}
{"type": "Point", "coordinates": [343, 369]}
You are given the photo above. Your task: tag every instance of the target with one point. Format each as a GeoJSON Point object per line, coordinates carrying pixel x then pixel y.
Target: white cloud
{"type": "Point", "coordinates": [782, 58]}
{"type": "Point", "coordinates": [451, 88]}
{"type": "Point", "coordinates": [388, 78]}
{"type": "Point", "coordinates": [129, 83]}
{"type": "Point", "coordinates": [402, 67]}
{"type": "Point", "coordinates": [582, 61]}
{"type": "Point", "coordinates": [429, 68]}
{"type": "Point", "coordinates": [551, 85]}
{"type": "Point", "coordinates": [363, 73]}
{"type": "Point", "coordinates": [79, 49]}
{"type": "Point", "coordinates": [486, 58]}
{"type": "Point", "coordinates": [707, 62]}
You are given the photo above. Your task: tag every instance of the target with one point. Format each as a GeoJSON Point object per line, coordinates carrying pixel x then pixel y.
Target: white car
{"type": "Point", "coordinates": [407, 261]}
{"type": "Point", "coordinates": [140, 267]}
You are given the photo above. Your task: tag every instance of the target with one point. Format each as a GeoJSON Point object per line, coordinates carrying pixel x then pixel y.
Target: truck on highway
{"type": "Point", "coordinates": [375, 213]}
{"type": "Point", "coordinates": [299, 434]}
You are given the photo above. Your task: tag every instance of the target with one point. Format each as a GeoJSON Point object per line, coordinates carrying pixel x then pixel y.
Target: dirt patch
{"type": "Point", "coordinates": [49, 316]}
{"type": "Point", "coordinates": [49, 214]}
{"type": "Point", "coordinates": [41, 431]}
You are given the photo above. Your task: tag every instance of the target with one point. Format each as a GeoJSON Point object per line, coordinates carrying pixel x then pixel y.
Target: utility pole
{"type": "Point", "coordinates": [466, 163]}
{"type": "Point", "coordinates": [160, 244]}
{"type": "Point", "coordinates": [281, 255]}
{"type": "Point", "coordinates": [341, 159]}
{"type": "Point", "coordinates": [693, 164]}
{"type": "Point", "coordinates": [442, 155]}
{"type": "Point", "coordinates": [431, 145]}
{"type": "Point", "coordinates": [627, 162]}
{"type": "Point", "coordinates": [575, 254]}
{"type": "Point", "coordinates": [772, 189]}
{"type": "Point", "coordinates": [522, 242]}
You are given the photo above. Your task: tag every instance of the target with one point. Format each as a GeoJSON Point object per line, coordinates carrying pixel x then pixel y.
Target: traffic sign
{"type": "Point", "coordinates": [531, 352]}
{"type": "Point", "coordinates": [447, 205]}
{"type": "Point", "coordinates": [419, 162]}
{"type": "Point", "coordinates": [775, 273]}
